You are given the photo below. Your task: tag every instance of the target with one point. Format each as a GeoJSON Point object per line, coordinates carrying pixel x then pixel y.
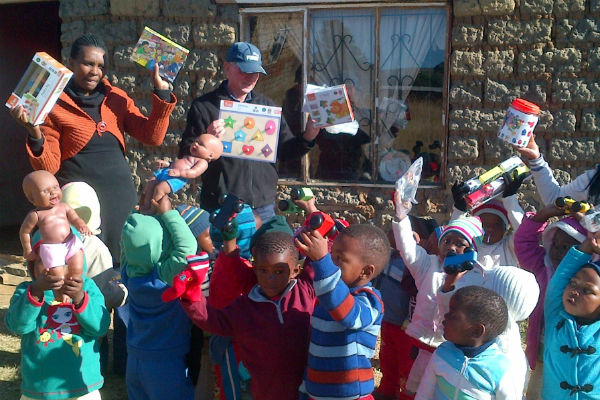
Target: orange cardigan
{"type": "Point", "coordinates": [68, 128]}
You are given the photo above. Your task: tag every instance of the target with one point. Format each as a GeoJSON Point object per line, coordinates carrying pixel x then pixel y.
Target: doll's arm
{"type": "Point", "coordinates": [76, 221]}
{"type": "Point", "coordinates": [27, 227]}
{"type": "Point", "coordinates": [197, 169]}
{"type": "Point", "coordinates": [161, 164]}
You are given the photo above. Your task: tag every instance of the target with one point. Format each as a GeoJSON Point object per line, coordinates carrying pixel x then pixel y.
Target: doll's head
{"type": "Point", "coordinates": [205, 146]}
{"type": "Point", "coordinates": [581, 297]}
{"type": "Point", "coordinates": [42, 189]}
{"type": "Point", "coordinates": [460, 234]}
{"type": "Point", "coordinates": [494, 220]}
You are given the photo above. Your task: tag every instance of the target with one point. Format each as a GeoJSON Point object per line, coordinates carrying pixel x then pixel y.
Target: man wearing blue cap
{"type": "Point", "coordinates": [253, 181]}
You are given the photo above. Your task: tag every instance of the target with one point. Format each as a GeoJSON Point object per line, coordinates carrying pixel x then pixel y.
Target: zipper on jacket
{"type": "Point", "coordinates": [462, 373]}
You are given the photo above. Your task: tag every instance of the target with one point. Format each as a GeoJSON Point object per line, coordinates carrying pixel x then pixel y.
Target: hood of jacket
{"type": "Point", "coordinates": [570, 226]}
{"type": "Point", "coordinates": [143, 241]}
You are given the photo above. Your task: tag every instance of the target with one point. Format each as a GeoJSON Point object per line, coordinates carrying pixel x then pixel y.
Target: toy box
{"type": "Point", "coordinates": [39, 88]}
{"type": "Point", "coordinates": [329, 106]}
{"type": "Point", "coordinates": [152, 48]}
{"type": "Point", "coordinates": [251, 130]}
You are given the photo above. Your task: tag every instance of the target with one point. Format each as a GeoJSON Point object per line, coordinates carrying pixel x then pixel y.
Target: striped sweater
{"type": "Point", "coordinates": [68, 128]}
{"type": "Point", "coordinates": [344, 329]}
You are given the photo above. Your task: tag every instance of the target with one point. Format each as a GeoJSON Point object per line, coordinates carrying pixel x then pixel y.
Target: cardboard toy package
{"type": "Point", "coordinates": [153, 48]}
{"type": "Point", "coordinates": [39, 88]}
{"type": "Point", "coordinates": [329, 105]}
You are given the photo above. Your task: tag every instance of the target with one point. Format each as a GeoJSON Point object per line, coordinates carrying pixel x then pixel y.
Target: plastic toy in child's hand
{"type": "Point", "coordinates": [406, 189]}
{"type": "Point", "coordinates": [288, 207]}
{"type": "Point", "coordinates": [303, 194]}
{"type": "Point", "coordinates": [591, 220]}
{"type": "Point", "coordinates": [569, 206]}
{"type": "Point", "coordinates": [230, 207]}
{"type": "Point", "coordinates": [321, 222]}
{"type": "Point", "coordinates": [187, 285]}
{"type": "Point", "coordinates": [455, 263]}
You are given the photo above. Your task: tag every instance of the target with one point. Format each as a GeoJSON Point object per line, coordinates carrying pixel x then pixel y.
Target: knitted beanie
{"type": "Point", "coordinates": [570, 225]}
{"type": "Point", "coordinates": [82, 198]}
{"type": "Point", "coordinates": [493, 207]}
{"type": "Point", "coordinates": [469, 227]}
{"type": "Point", "coordinates": [196, 218]}
{"type": "Point", "coordinates": [517, 287]}
{"type": "Point", "coordinates": [277, 223]}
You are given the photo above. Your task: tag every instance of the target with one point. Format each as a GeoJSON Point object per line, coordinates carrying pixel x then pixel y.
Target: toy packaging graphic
{"type": "Point", "coordinates": [152, 48]}
{"type": "Point", "coordinates": [39, 88]}
{"type": "Point", "coordinates": [251, 130]}
{"type": "Point", "coordinates": [328, 105]}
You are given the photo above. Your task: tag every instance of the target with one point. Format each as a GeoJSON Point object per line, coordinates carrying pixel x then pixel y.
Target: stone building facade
{"type": "Point", "coordinates": [547, 51]}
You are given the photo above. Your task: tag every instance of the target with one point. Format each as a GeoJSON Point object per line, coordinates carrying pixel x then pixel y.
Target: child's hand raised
{"type": "Point", "coordinates": [73, 288]}
{"type": "Point", "coordinates": [531, 151]}
{"type": "Point", "coordinates": [591, 244]}
{"type": "Point", "coordinates": [547, 212]}
{"type": "Point", "coordinates": [313, 244]}
{"type": "Point", "coordinates": [162, 206]}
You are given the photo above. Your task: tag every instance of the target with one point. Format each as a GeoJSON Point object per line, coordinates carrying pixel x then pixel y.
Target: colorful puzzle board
{"type": "Point", "coordinates": [251, 130]}
{"type": "Point", "coordinates": [329, 106]}
{"type": "Point", "coordinates": [39, 88]}
{"type": "Point", "coordinates": [152, 48]}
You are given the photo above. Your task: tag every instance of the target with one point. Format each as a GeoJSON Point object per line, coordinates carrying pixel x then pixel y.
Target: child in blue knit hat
{"type": "Point", "coordinates": [572, 326]}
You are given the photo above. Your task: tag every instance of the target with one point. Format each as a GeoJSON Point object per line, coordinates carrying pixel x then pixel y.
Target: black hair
{"type": "Point", "coordinates": [274, 242]}
{"type": "Point", "coordinates": [375, 244]}
{"type": "Point", "coordinates": [184, 146]}
{"type": "Point", "coordinates": [87, 40]}
{"type": "Point", "coordinates": [424, 226]}
{"type": "Point", "coordinates": [483, 306]}
{"type": "Point", "coordinates": [594, 187]}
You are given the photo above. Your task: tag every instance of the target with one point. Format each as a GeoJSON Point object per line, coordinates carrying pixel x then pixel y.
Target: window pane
{"type": "Point", "coordinates": [411, 77]}
{"type": "Point", "coordinates": [279, 36]}
{"type": "Point", "coordinates": [342, 50]}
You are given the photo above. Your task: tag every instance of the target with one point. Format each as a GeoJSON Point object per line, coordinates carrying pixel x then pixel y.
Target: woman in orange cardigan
{"type": "Point", "coordinates": [83, 137]}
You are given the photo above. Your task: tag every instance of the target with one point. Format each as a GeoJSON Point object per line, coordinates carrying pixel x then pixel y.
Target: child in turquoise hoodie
{"type": "Point", "coordinates": [59, 349]}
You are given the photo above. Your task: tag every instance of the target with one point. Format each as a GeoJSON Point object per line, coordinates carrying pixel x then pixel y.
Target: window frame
{"type": "Point", "coordinates": [284, 6]}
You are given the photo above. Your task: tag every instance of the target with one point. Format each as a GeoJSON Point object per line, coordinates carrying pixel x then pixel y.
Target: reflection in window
{"type": "Point", "coordinates": [395, 82]}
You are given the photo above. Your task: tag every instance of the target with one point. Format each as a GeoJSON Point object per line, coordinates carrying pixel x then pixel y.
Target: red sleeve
{"type": "Point", "coordinates": [232, 276]}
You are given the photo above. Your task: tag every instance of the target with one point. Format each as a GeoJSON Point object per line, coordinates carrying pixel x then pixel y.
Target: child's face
{"type": "Point", "coordinates": [453, 241]}
{"type": "Point", "coordinates": [581, 297]}
{"type": "Point", "coordinates": [561, 243]}
{"type": "Point", "coordinates": [275, 271]}
{"type": "Point", "coordinates": [44, 191]}
{"type": "Point", "coordinates": [458, 328]}
{"type": "Point", "coordinates": [346, 253]}
{"type": "Point", "coordinates": [493, 228]}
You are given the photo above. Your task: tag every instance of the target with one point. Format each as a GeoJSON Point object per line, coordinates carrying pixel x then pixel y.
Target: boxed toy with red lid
{"type": "Point", "coordinates": [329, 105]}
{"type": "Point", "coordinates": [40, 86]}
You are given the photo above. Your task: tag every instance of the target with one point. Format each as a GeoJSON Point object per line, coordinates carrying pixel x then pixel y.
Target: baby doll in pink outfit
{"type": "Point", "coordinates": [61, 251]}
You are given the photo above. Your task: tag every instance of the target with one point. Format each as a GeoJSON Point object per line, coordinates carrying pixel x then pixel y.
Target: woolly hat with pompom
{"type": "Point", "coordinates": [469, 227]}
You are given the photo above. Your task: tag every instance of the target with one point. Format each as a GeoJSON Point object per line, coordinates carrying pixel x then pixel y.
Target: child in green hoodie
{"type": "Point", "coordinates": [59, 353]}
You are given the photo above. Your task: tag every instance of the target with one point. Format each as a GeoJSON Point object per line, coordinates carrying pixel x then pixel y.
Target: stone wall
{"type": "Point", "coordinates": [542, 50]}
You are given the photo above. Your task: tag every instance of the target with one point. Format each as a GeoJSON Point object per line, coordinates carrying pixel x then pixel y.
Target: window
{"type": "Point", "coordinates": [393, 62]}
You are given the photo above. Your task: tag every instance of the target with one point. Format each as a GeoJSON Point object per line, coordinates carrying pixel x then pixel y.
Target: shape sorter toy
{"type": "Point", "coordinates": [251, 130]}
{"type": "Point", "coordinates": [39, 88]}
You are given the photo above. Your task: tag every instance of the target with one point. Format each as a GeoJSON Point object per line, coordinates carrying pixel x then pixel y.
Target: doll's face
{"type": "Point", "coordinates": [581, 297]}
{"type": "Point", "coordinates": [207, 147]}
{"type": "Point", "coordinates": [42, 189]}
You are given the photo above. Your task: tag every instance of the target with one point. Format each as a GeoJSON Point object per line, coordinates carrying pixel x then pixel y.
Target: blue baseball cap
{"type": "Point", "coordinates": [246, 56]}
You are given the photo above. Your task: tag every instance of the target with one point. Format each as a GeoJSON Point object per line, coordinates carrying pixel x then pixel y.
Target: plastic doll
{"type": "Point", "coordinates": [60, 251]}
{"type": "Point", "coordinates": [191, 163]}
